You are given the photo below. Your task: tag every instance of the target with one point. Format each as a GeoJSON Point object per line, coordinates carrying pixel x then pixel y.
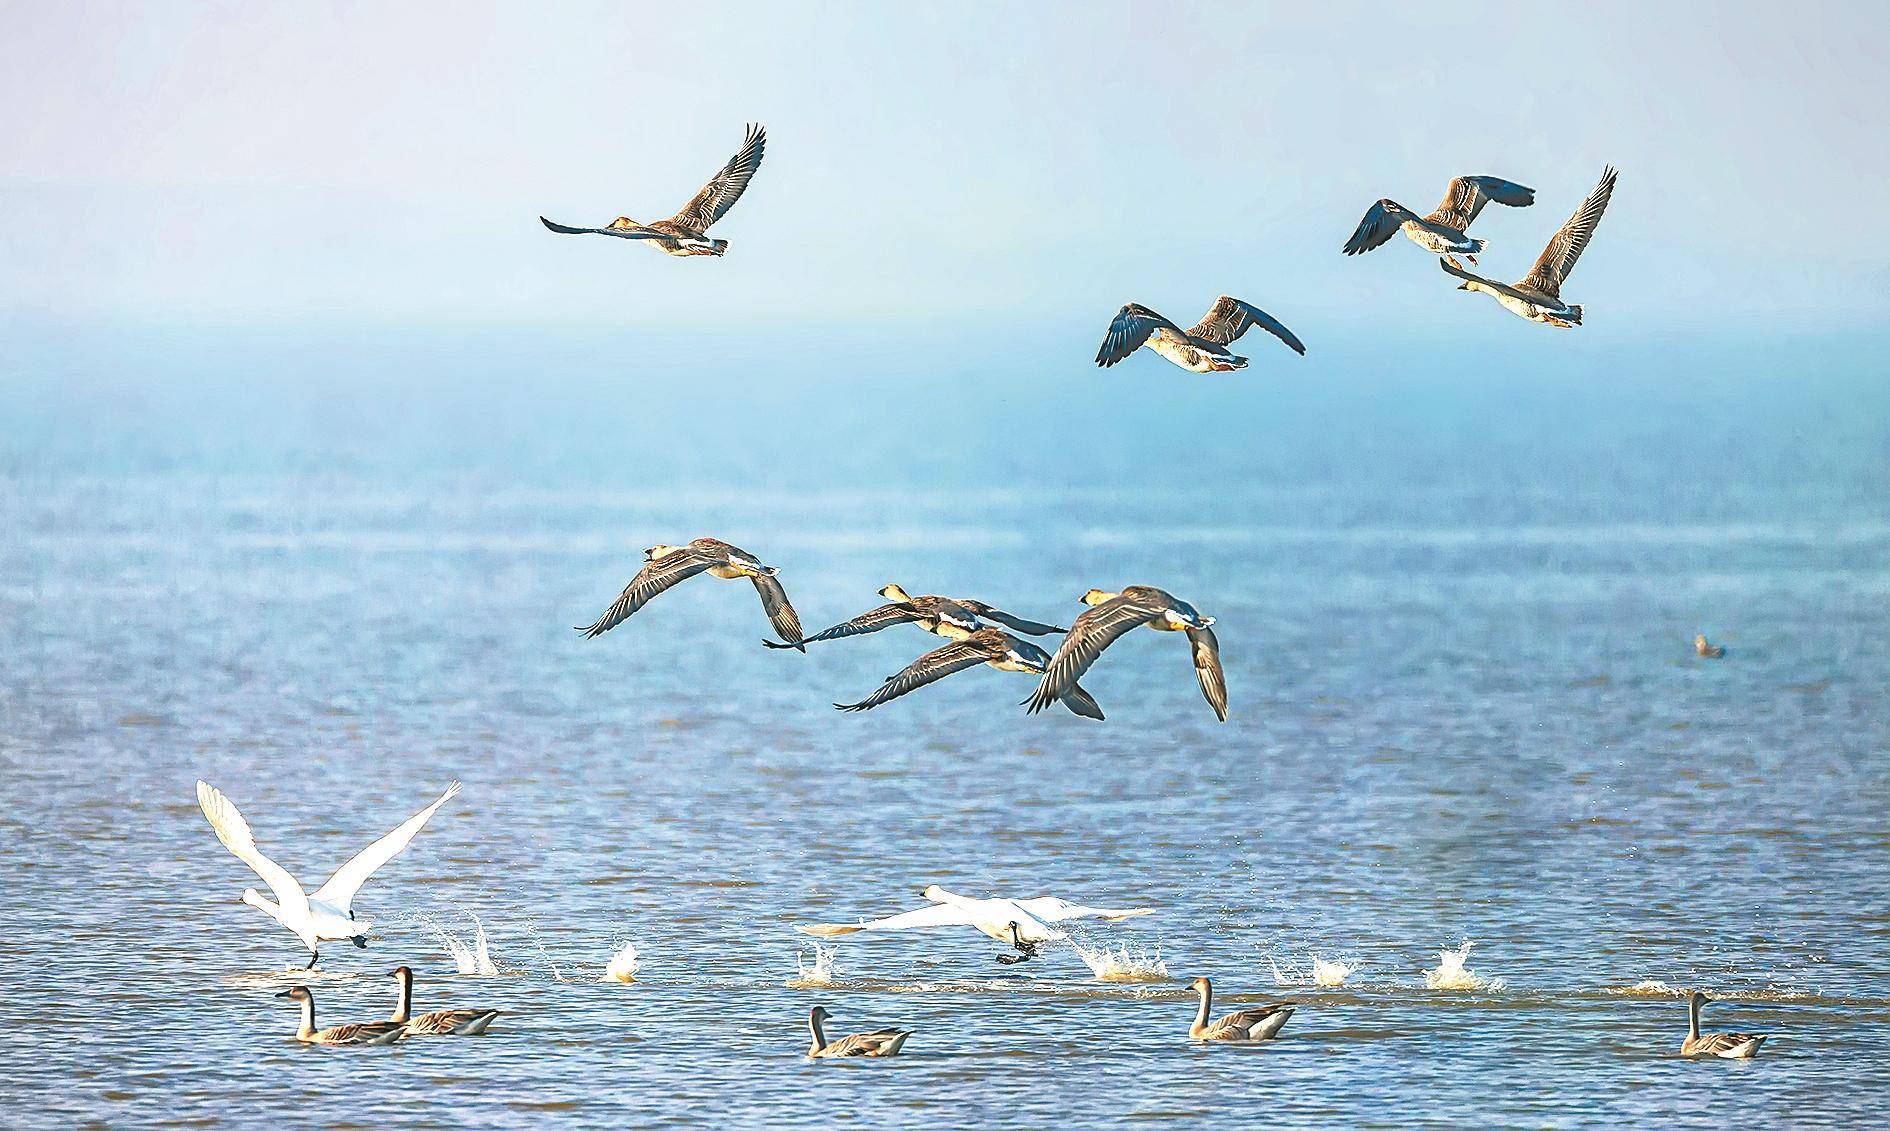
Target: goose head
{"type": "Point", "coordinates": [819, 1013]}
{"type": "Point", "coordinates": [894, 593]}
{"type": "Point", "coordinates": [1200, 985]}
{"type": "Point", "coordinates": [1097, 597]}
{"type": "Point", "coordinates": [1696, 999]}
{"type": "Point", "coordinates": [401, 973]}
{"type": "Point", "coordinates": [659, 551]}
{"type": "Point", "coordinates": [624, 222]}
{"type": "Point", "coordinates": [296, 993]}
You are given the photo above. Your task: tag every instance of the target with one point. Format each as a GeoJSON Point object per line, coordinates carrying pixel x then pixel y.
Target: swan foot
{"type": "Point", "coordinates": [361, 941]}
{"type": "Point", "coordinates": [1014, 959]}
{"type": "Point", "coordinates": [312, 956]}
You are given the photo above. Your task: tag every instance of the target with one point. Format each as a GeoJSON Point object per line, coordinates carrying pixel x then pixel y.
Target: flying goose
{"type": "Point", "coordinates": [1199, 349]}
{"type": "Point", "coordinates": [1257, 1024]}
{"type": "Point", "coordinates": [1730, 1046]}
{"type": "Point", "coordinates": [1707, 651]}
{"type": "Point", "coordinates": [684, 233]}
{"type": "Point", "coordinates": [879, 1042]}
{"type": "Point", "coordinates": [664, 566]}
{"type": "Point", "coordinates": [326, 913]}
{"type": "Point", "coordinates": [440, 1023]}
{"type": "Point", "coordinates": [1023, 923]}
{"type": "Point", "coordinates": [1110, 616]}
{"type": "Point", "coordinates": [954, 619]}
{"type": "Point", "coordinates": [1442, 232]}
{"type": "Point", "coordinates": [990, 646]}
{"type": "Point", "coordinates": [358, 1033]}
{"type": "Point", "coordinates": [1539, 296]}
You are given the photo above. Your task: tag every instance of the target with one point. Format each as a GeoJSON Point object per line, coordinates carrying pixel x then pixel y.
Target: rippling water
{"type": "Point", "coordinates": [1464, 708]}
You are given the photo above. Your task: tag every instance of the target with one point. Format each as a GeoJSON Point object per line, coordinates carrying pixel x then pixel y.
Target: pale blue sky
{"type": "Point", "coordinates": [238, 163]}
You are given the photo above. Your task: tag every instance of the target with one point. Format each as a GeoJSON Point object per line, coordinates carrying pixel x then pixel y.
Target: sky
{"type": "Point", "coordinates": [934, 173]}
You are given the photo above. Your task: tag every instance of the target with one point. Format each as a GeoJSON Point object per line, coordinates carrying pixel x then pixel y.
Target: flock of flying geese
{"type": "Point", "coordinates": [976, 632]}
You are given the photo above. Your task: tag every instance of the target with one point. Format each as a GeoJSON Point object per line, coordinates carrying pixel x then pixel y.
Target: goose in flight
{"type": "Point", "coordinates": [879, 1042]}
{"type": "Point", "coordinates": [1441, 232]}
{"type": "Point", "coordinates": [1109, 616]}
{"type": "Point", "coordinates": [990, 646]}
{"type": "Point", "coordinates": [439, 1023]}
{"type": "Point", "coordinates": [954, 619]}
{"type": "Point", "coordinates": [1258, 1024]}
{"type": "Point", "coordinates": [1539, 296]}
{"type": "Point", "coordinates": [1023, 923]}
{"type": "Point", "coordinates": [664, 566]}
{"type": "Point", "coordinates": [358, 1033]}
{"type": "Point", "coordinates": [325, 914]}
{"type": "Point", "coordinates": [1200, 349]}
{"type": "Point", "coordinates": [685, 232]}
{"type": "Point", "coordinates": [1730, 1046]}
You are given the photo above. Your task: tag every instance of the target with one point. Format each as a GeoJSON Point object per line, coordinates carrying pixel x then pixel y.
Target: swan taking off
{"type": "Point", "coordinates": [325, 914]}
{"type": "Point", "coordinates": [1024, 923]}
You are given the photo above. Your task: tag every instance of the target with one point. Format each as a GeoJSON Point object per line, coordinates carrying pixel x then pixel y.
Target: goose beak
{"type": "Point", "coordinates": [286, 993]}
{"type": "Point", "coordinates": [1463, 286]}
{"type": "Point", "coordinates": [1206, 621]}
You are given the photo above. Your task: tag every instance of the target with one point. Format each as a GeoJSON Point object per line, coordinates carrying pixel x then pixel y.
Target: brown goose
{"type": "Point", "coordinates": [441, 1022]}
{"type": "Point", "coordinates": [684, 233]}
{"type": "Point", "coordinates": [359, 1033]}
{"type": "Point", "coordinates": [1110, 616]}
{"type": "Point", "coordinates": [954, 619]}
{"type": "Point", "coordinates": [990, 646]}
{"type": "Point", "coordinates": [1199, 349]}
{"type": "Point", "coordinates": [879, 1042]}
{"type": "Point", "coordinates": [1539, 296]}
{"type": "Point", "coordinates": [664, 566]}
{"type": "Point", "coordinates": [1441, 232]}
{"type": "Point", "coordinates": [1259, 1024]}
{"type": "Point", "coordinates": [1729, 1046]}
{"type": "Point", "coordinates": [1706, 650]}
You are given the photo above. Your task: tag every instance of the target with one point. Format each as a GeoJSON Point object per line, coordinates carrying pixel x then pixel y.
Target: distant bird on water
{"type": "Point", "coordinates": [357, 1033]}
{"type": "Point", "coordinates": [1538, 297]}
{"type": "Point", "coordinates": [879, 1042]}
{"type": "Point", "coordinates": [685, 232]}
{"type": "Point", "coordinates": [664, 566]}
{"type": "Point", "coordinates": [1261, 1023]}
{"type": "Point", "coordinates": [1109, 617]}
{"type": "Point", "coordinates": [1201, 348]}
{"type": "Point", "coordinates": [1729, 1046]}
{"type": "Point", "coordinates": [1706, 650]}
{"type": "Point", "coordinates": [1441, 232]}
{"type": "Point", "coordinates": [990, 646]}
{"type": "Point", "coordinates": [954, 619]}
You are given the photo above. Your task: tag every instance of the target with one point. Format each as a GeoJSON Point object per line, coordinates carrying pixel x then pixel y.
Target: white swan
{"type": "Point", "coordinates": [324, 914]}
{"type": "Point", "coordinates": [1024, 923]}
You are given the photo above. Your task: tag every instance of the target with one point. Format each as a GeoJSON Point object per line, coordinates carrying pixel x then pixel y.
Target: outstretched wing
{"type": "Point", "coordinates": [929, 668]}
{"type": "Point", "coordinates": [787, 625]}
{"type": "Point", "coordinates": [233, 831]}
{"type": "Point", "coordinates": [1558, 259]}
{"type": "Point", "coordinates": [871, 621]}
{"type": "Point", "coordinates": [1082, 703]}
{"type": "Point", "coordinates": [726, 187]}
{"type": "Point", "coordinates": [934, 915]}
{"type": "Point", "coordinates": [1128, 330]}
{"type": "Point", "coordinates": [998, 616]}
{"type": "Point", "coordinates": [1229, 318]}
{"type": "Point", "coordinates": [1207, 669]}
{"type": "Point", "coordinates": [1464, 200]}
{"type": "Point", "coordinates": [1050, 909]}
{"type": "Point", "coordinates": [1095, 630]}
{"type": "Point", "coordinates": [652, 579]}
{"type": "Point", "coordinates": [340, 888]}
{"type": "Point", "coordinates": [634, 232]}
{"type": "Point", "coordinates": [1381, 222]}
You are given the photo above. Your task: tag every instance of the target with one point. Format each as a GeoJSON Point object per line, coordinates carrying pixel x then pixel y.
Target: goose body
{"type": "Point", "coordinates": [1707, 650]}
{"type": "Point", "coordinates": [879, 1042]}
{"type": "Point", "coordinates": [326, 914]}
{"type": "Point", "coordinates": [686, 233]}
{"type": "Point", "coordinates": [665, 566]}
{"type": "Point", "coordinates": [1538, 296]}
{"type": "Point", "coordinates": [1262, 1023]}
{"type": "Point", "coordinates": [1727, 1046]}
{"type": "Point", "coordinates": [1109, 617]}
{"type": "Point", "coordinates": [1200, 349]}
{"type": "Point", "coordinates": [357, 1033]}
{"type": "Point", "coordinates": [439, 1023]}
{"type": "Point", "coordinates": [954, 619]}
{"type": "Point", "coordinates": [1026, 924]}
{"type": "Point", "coordinates": [989, 646]}
{"type": "Point", "coordinates": [1443, 231]}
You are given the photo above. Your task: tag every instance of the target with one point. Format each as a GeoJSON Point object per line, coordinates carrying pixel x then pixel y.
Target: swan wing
{"type": "Point", "coordinates": [340, 888]}
{"type": "Point", "coordinates": [1098, 628]}
{"type": "Point", "coordinates": [1053, 910]}
{"type": "Point", "coordinates": [726, 187]}
{"type": "Point", "coordinates": [652, 579]}
{"type": "Point", "coordinates": [1016, 624]}
{"type": "Point", "coordinates": [1128, 330]}
{"type": "Point", "coordinates": [1207, 669]}
{"type": "Point", "coordinates": [1464, 200]}
{"type": "Point", "coordinates": [935, 915]}
{"type": "Point", "coordinates": [1381, 222]}
{"type": "Point", "coordinates": [1229, 318]}
{"type": "Point", "coordinates": [929, 668]}
{"type": "Point", "coordinates": [228, 823]}
{"type": "Point", "coordinates": [787, 623]}
{"type": "Point", "coordinates": [1558, 259]}
{"type": "Point", "coordinates": [634, 232]}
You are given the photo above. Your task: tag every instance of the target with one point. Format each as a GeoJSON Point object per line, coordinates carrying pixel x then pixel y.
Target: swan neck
{"type": "Point", "coordinates": [820, 1038]}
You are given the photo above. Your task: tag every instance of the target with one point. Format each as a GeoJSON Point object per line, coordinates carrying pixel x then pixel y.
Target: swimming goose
{"type": "Point", "coordinates": [954, 619]}
{"type": "Point", "coordinates": [1705, 650]}
{"type": "Point", "coordinates": [440, 1023]}
{"type": "Point", "coordinates": [1258, 1024]}
{"type": "Point", "coordinates": [358, 1033]}
{"type": "Point", "coordinates": [1024, 923]}
{"type": "Point", "coordinates": [1110, 616]}
{"type": "Point", "coordinates": [664, 566]}
{"type": "Point", "coordinates": [684, 233]}
{"type": "Point", "coordinates": [990, 646]}
{"type": "Point", "coordinates": [879, 1042]}
{"type": "Point", "coordinates": [1200, 349]}
{"type": "Point", "coordinates": [1539, 296]}
{"type": "Point", "coordinates": [1730, 1046]}
{"type": "Point", "coordinates": [1441, 232]}
{"type": "Point", "coordinates": [324, 914]}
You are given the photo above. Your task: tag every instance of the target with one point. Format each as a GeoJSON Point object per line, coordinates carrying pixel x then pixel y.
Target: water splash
{"type": "Point", "coordinates": [820, 973]}
{"type": "Point", "coordinates": [1325, 973]}
{"type": "Point", "coordinates": [470, 956]}
{"type": "Point", "coordinates": [1648, 987]}
{"type": "Point", "coordinates": [1123, 963]}
{"type": "Point", "coordinates": [623, 964]}
{"type": "Point", "coordinates": [1452, 974]}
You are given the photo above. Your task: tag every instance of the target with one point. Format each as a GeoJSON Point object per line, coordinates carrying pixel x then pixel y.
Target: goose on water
{"type": "Point", "coordinates": [990, 646]}
{"type": "Point", "coordinates": [1261, 1023]}
{"type": "Point", "coordinates": [685, 233]}
{"type": "Point", "coordinates": [1023, 923]}
{"type": "Point", "coordinates": [664, 566]}
{"type": "Point", "coordinates": [1729, 1046]}
{"type": "Point", "coordinates": [439, 1023]}
{"type": "Point", "coordinates": [1111, 615]}
{"type": "Point", "coordinates": [1201, 348]}
{"type": "Point", "coordinates": [357, 1033]}
{"type": "Point", "coordinates": [952, 618]}
{"type": "Point", "coordinates": [325, 914]}
{"type": "Point", "coordinates": [1538, 297]}
{"type": "Point", "coordinates": [1441, 232]}
{"type": "Point", "coordinates": [879, 1042]}
{"type": "Point", "coordinates": [1707, 650]}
